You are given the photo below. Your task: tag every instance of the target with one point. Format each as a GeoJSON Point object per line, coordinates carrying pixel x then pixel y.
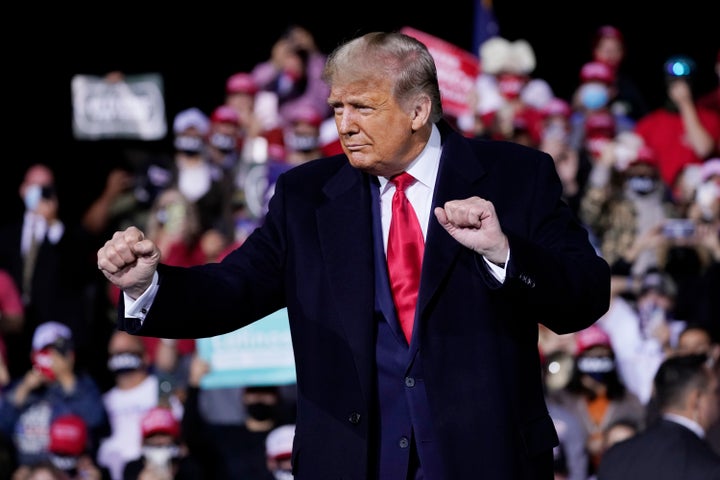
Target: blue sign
{"type": "Point", "coordinates": [258, 354]}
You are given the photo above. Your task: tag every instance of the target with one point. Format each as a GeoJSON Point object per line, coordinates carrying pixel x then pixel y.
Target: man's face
{"type": "Point", "coordinates": [377, 134]}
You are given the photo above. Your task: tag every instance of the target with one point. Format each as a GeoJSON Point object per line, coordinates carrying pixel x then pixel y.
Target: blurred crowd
{"type": "Point", "coordinates": [79, 399]}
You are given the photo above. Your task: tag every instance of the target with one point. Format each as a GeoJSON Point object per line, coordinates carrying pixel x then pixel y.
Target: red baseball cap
{"type": "Point", "coordinates": [597, 72]}
{"type": "Point", "coordinates": [592, 336]}
{"type": "Point", "coordinates": [241, 82]}
{"type": "Point", "coordinates": [225, 114]}
{"type": "Point", "coordinates": [68, 435]}
{"type": "Point", "coordinates": [159, 420]}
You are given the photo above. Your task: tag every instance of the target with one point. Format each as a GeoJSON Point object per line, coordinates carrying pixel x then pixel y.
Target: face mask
{"type": "Point", "coordinates": [225, 143]}
{"type": "Point", "coordinates": [160, 455]}
{"type": "Point", "coordinates": [260, 411]}
{"type": "Point", "coordinates": [32, 196]}
{"type": "Point", "coordinates": [282, 475]}
{"type": "Point", "coordinates": [510, 86]}
{"type": "Point", "coordinates": [641, 185]}
{"type": "Point", "coordinates": [301, 143]}
{"type": "Point", "coordinates": [125, 362]}
{"type": "Point", "coordinates": [194, 182]}
{"type": "Point", "coordinates": [66, 463]}
{"type": "Point", "coordinates": [593, 96]}
{"type": "Point", "coordinates": [596, 367]}
{"type": "Point", "coordinates": [42, 361]}
{"type": "Point", "coordinates": [188, 144]}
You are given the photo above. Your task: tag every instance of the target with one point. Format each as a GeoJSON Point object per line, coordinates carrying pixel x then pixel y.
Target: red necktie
{"type": "Point", "coordinates": [404, 254]}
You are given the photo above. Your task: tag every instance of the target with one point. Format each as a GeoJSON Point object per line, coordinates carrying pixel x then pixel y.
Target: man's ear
{"type": "Point", "coordinates": [421, 112]}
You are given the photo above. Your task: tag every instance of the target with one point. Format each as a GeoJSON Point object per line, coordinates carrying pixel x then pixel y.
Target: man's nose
{"type": "Point", "coordinates": [346, 123]}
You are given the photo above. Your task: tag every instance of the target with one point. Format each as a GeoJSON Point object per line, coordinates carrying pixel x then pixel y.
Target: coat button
{"type": "Point", "coordinates": [354, 418]}
{"type": "Point", "coordinates": [404, 442]}
{"type": "Point", "coordinates": [409, 382]}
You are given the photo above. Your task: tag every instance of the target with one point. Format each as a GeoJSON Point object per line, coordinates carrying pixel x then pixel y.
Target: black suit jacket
{"type": "Point", "coordinates": [63, 271]}
{"type": "Point", "coordinates": [665, 451]}
{"type": "Point", "coordinates": [477, 338]}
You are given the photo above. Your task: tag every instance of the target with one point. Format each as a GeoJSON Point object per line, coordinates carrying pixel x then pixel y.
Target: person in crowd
{"type": "Point", "coordinates": [50, 262]}
{"type": "Point", "coordinates": [617, 431]}
{"type": "Point", "coordinates": [506, 100]}
{"type": "Point", "coordinates": [571, 455]}
{"type": "Point", "coordinates": [70, 450]}
{"type": "Point", "coordinates": [501, 253]}
{"type": "Point", "coordinates": [696, 339]}
{"type": "Point", "coordinates": [164, 454]}
{"type": "Point", "coordinates": [51, 388]}
{"type": "Point", "coordinates": [625, 205]}
{"type": "Point", "coordinates": [240, 92]}
{"type": "Point", "coordinates": [174, 225]}
{"type": "Point", "coordinates": [117, 203]}
{"type": "Point", "coordinates": [694, 260]}
{"type": "Point", "coordinates": [591, 101]}
{"type": "Point", "coordinates": [680, 132]}
{"type": "Point", "coordinates": [596, 393]}
{"type": "Point", "coordinates": [608, 47]}
{"type": "Point", "coordinates": [202, 168]}
{"type": "Point", "coordinates": [223, 138]}
{"type": "Point", "coordinates": [136, 391]}
{"type": "Point", "coordinates": [572, 169]}
{"type": "Point", "coordinates": [293, 73]}
{"type": "Point", "coordinates": [216, 444]}
{"type": "Point", "coordinates": [644, 330]}
{"type": "Point", "coordinates": [686, 393]}
{"type": "Point", "coordinates": [260, 132]}
{"type": "Point", "coordinates": [278, 451]}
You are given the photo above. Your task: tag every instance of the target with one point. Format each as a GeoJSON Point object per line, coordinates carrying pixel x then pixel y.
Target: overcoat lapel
{"type": "Point", "coordinates": [459, 177]}
{"type": "Point", "coordinates": [345, 234]}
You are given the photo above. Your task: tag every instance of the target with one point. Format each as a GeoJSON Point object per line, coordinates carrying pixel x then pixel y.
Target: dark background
{"type": "Point", "coordinates": [197, 45]}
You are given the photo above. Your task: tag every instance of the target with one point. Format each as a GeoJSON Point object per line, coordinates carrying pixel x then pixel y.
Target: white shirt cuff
{"type": "Point", "coordinates": [139, 308]}
{"type": "Point", "coordinates": [497, 271]}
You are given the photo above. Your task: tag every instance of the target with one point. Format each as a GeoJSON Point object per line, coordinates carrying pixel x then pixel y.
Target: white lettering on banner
{"type": "Point", "coordinates": [133, 108]}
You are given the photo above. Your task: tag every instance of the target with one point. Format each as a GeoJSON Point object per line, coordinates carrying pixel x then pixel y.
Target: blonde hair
{"type": "Point", "coordinates": [393, 55]}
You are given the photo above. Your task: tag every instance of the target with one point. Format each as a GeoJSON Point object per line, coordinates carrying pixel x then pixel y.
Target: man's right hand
{"type": "Point", "coordinates": [129, 261]}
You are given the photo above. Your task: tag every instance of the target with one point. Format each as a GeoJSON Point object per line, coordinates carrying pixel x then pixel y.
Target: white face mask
{"type": "Point", "coordinates": [194, 182]}
{"type": "Point", "coordinates": [160, 455]}
{"type": "Point", "coordinates": [283, 475]}
{"type": "Point", "coordinates": [32, 197]}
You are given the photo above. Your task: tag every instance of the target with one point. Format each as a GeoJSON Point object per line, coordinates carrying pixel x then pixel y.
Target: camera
{"type": "Point", "coordinates": [679, 228]}
{"type": "Point", "coordinates": [47, 192]}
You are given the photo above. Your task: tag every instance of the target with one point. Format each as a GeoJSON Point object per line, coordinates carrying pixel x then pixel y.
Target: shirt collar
{"type": "Point", "coordinates": [424, 168]}
{"type": "Point", "coordinates": [685, 422]}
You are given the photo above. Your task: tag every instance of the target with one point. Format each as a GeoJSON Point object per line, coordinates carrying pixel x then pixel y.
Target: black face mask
{"type": "Point", "coordinates": [261, 411]}
{"type": "Point", "coordinates": [125, 362]}
{"type": "Point", "coordinates": [66, 463]}
{"type": "Point", "coordinates": [598, 368]}
{"type": "Point", "coordinates": [642, 185]}
{"type": "Point", "coordinates": [224, 143]}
